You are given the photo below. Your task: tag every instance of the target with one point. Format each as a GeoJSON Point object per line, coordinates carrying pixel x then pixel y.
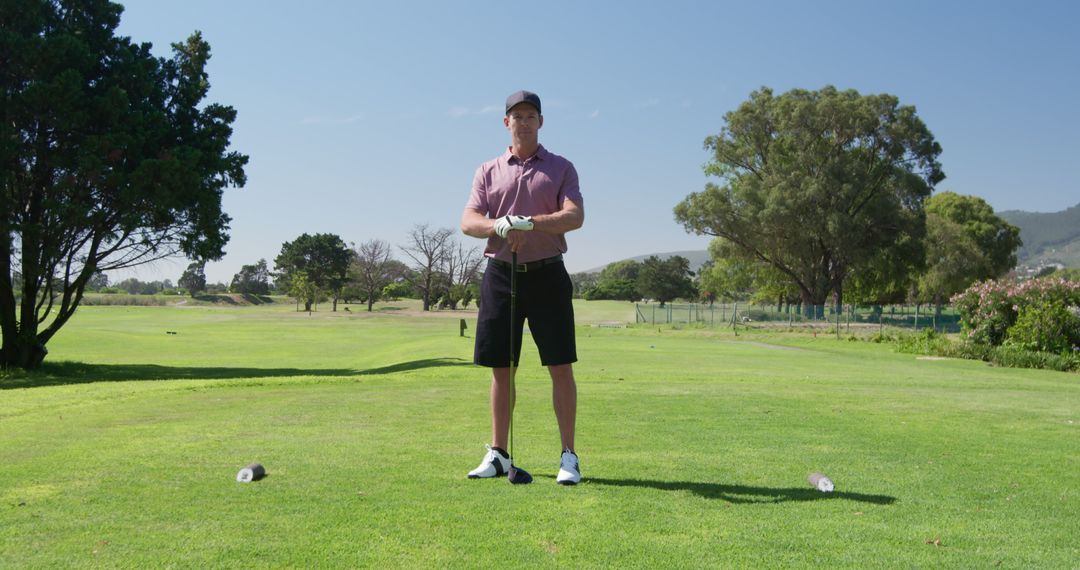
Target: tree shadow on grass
{"type": "Point", "coordinates": [63, 373]}
{"type": "Point", "coordinates": [745, 495]}
{"type": "Point", "coordinates": [415, 365]}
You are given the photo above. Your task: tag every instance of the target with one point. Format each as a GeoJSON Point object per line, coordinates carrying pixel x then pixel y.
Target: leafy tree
{"type": "Point", "coordinates": [372, 269]}
{"type": "Point", "coordinates": [733, 274]}
{"type": "Point", "coordinates": [954, 261]}
{"type": "Point", "coordinates": [324, 260]}
{"type": "Point", "coordinates": [303, 290]}
{"type": "Point", "coordinates": [428, 249]}
{"type": "Point", "coordinates": [110, 159]}
{"type": "Point", "coordinates": [996, 240]}
{"type": "Point", "coordinates": [252, 279]}
{"type": "Point", "coordinates": [194, 278]}
{"type": "Point", "coordinates": [98, 281]}
{"type": "Point", "coordinates": [665, 279]}
{"type": "Point", "coordinates": [397, 290]}
{"type": "Point", "coordinates": [816, 183]}
{"type": "Point", "coordinates": [583, 282]}
{"type": "Point", "coordinates": [617, 281]}
{"type": "Point", "coordinates": [890, 277]}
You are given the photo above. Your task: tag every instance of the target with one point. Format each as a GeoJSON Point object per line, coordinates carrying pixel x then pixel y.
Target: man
{"type": "Point", "coordinates": [525, 201]}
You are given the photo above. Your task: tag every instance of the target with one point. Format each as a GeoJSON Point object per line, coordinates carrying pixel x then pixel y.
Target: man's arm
{"type": "Point", "coordinates": [569, 218]}
{"type": "Point", "coordinates": [476, 224]}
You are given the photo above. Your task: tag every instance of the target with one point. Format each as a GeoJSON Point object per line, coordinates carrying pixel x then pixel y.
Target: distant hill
{"type": "Point", "coordinates": [1048, 237]}
{"type": "Point", "coordinates": [697, 259]}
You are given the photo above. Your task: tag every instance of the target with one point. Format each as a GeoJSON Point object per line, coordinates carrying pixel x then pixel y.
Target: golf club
{"type": "Point", "coordinates": [516, 475]}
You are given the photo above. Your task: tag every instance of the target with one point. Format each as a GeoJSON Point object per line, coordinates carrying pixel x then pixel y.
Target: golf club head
{"type": "Point", "coordinates": [518, 476]}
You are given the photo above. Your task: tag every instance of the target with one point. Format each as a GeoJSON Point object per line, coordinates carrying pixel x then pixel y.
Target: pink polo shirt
{"type": "Point", "coordinates": [535, 186]}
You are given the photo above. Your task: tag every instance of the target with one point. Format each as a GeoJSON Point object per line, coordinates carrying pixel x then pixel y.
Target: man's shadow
{"type": "Point", "coordinates": [742, 494]}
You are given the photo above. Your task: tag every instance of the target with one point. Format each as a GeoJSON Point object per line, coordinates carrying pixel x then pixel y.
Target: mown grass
{"type": "Point", "coordinates": [695, 446]}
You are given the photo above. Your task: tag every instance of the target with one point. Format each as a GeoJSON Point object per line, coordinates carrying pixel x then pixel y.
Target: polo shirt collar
{"type": "Point", "coordinates": [541, 154]}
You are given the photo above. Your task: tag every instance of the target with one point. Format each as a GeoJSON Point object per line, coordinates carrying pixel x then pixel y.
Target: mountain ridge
{"type": "Point", "coordinates": [1049, 237]}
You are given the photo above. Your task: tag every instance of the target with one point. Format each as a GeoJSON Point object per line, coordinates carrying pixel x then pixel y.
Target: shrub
{"type": "Point", "coordinates": [926, 342]}
{"type": "Point", "coordinates": [1048, 306]}
{"type": "Point", "coordinates": [1048, 326]}
{"type": "Point", "coordinates": [122, 300]}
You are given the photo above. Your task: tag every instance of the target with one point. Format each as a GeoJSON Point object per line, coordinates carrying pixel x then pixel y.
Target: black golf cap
{"type": "Point", "coordinates": [523, 97]}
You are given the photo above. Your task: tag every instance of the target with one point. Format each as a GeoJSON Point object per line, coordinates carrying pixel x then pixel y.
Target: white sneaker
{"type": "Point", "coordinates": [569, 472]}
{"type": "Point", "coordinates": [495, 464]}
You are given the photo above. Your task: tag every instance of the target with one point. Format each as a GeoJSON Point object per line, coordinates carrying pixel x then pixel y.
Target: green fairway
{"type": "Point", "coordinates": [695, 446]}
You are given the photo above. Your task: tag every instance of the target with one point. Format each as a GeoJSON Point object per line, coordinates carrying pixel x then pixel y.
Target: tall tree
{"type": "Point", "coordinates": [373, 268]}
{"type": "Point", "coordinates": [110, 159]}
{"type": "Point", "coordinates": [617, 281]}
{"type": "Point", "coordinates": [955, 261]}
{"type": "Point", "coordinates": [252, 279]}
{"type": "Point", "coordinates": [665, 279]}
{"type": "Point", "coordinates": [98, 281]}
{"type": "Point", "coordinates": [194, 278]}
{"type": "Point", "coordinates": [817, 183]}
{"type": "Point", "coordinates": [997, 239]}
{"type": "Point", "coordinates": [462, 268]}
{"type": "Point", "coordinates": [428, 249]}
{"type": "Point", "coordinates": [889, 277]}
{"type": "Point", "coordinates": [324, 260]}
{"type": "Point", "coordinates": [733, 274]}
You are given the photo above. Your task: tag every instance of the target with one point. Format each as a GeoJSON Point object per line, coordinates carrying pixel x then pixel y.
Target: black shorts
{"type": "Point", "coordinates": [544, 297]}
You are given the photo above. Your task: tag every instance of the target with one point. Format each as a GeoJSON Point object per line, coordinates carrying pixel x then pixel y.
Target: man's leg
{"type": "Point", "coordinates": [564, 398]}
{"type": "Point", "coordinates": [501, 406]}
{"type": "Point", "coordinates": [496, 461]}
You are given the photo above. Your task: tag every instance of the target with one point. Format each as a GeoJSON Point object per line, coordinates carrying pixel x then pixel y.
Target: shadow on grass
{"type": "Point", "coordinates": [744, 495]}
{"type": "Point", "coordinates": [63, 373]}
{"type": "Point", "coordinates": [415, 365]}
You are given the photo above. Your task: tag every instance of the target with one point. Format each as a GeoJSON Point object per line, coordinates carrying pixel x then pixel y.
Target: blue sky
{"type": "Point", "coordinates": [366, 118]}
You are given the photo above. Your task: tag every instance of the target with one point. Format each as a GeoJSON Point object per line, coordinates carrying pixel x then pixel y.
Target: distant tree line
{"type": "Point", "coordinates": [437, 269]}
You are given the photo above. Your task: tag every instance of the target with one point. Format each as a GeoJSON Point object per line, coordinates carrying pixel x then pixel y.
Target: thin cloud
{"type": "Point", "coordinates": [458, 112]}
{"type": "Point", "coordinates": [594, 114]}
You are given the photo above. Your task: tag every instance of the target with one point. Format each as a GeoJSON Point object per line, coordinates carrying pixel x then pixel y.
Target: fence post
{"type": "Point", "coordinates": [916, 317]}
{"type": "Point", "coordinates": [837, 324]}
{"type": "Point", "coordinates": [735, 317]}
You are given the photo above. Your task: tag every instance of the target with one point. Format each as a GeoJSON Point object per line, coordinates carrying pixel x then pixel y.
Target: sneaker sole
{"type": "Point", "coordinates": [496, 476]}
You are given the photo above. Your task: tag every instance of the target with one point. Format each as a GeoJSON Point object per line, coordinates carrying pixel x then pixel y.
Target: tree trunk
{"type": "Point", "coordinates": [25, 352]}
{"type": "Point", "coordinates": [8, 323]}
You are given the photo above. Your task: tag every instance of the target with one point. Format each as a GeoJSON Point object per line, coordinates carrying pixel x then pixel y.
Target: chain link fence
{"type": "Point", "coordinates": [912, 317]}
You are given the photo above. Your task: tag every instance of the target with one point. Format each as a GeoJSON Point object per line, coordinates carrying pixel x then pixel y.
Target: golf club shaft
{"type": "Point", "coordinates": [513, 361]}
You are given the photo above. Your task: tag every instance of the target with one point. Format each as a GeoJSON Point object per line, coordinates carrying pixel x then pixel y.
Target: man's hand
{"type": "Point", "coordinates": [506, 223]}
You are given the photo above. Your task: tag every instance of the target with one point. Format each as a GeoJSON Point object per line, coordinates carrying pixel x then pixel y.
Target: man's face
{"type": "Point", "coordinates": [523, 121]}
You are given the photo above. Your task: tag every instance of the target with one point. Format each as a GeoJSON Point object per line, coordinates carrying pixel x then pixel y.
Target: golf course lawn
{"type": "Point", "coordinates": [695, 448]}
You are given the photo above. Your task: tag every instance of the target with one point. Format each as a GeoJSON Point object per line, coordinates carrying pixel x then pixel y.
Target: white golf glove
{"type": "Point", "coordinates": [506, 223]}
